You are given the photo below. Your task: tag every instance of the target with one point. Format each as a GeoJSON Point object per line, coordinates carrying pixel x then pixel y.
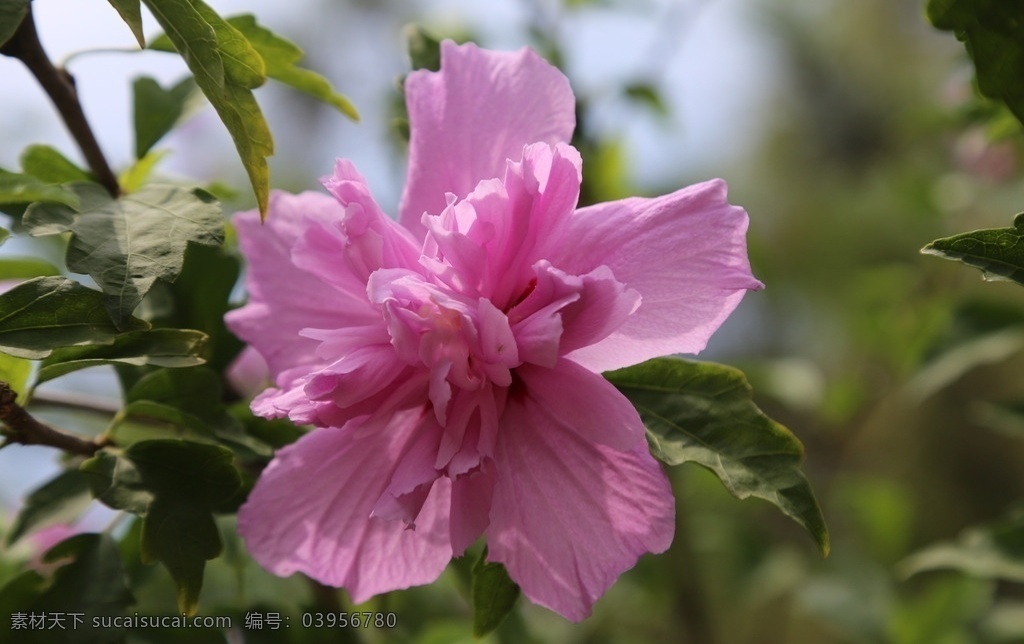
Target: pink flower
{"type": "Point", "coordinates": [451, 362]}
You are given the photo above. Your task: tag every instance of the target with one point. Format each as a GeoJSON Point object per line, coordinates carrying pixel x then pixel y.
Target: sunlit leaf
{"type": "Point", "coordinates": [20, 268]}
{"type": "Point", "coordinates": [997, 252]}
{"type": "Point", "coordinates": [993, 32]}
{"type": "Point", "coordinates": [158, 347]}
{"type": "Point", "coordinates": [12, 12]}
{"type": "Point", "coordinates": [127, 244]}
{"type": "Point", "coordinates": [226, 68]}
{"type": "Point", "coordinates": [25, 188]}
{"type": "Point", "coordinates": [139, 172]}
{"type": "Point", "coordinates": [175, 485]}
{"type": "Point", "coordinates": [993, 551]}
{"type": "Point", "coordinates": [158, 110]}
{"type": "Point", "coordinates": [494, 595]}
{"type": "Point", "coordinates": [41, 314]}
{"type": "Point", "coordinates": [49, 165]}
{"type": "Point", "coordinates": [60, 500]}
{"type": "Point", "coordinates": [280, 56]}
{"type": "Point", "coordinates": [131, 13]}
{"type": "Point", "coordinates": [16, 372]}
{"type": "Point", "coordinates": [703, 413]}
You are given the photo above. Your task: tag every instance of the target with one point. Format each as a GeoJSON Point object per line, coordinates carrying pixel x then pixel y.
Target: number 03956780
{"type": "Point", "coordinates": [366, 619]}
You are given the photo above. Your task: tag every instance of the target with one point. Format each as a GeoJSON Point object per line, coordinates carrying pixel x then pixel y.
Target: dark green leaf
{"type": "Point", "coordinates": [20, 268]}
{"type": "Point", "coordinates": [997, 252]}
{"type": "Point", "coordinates": [494, 595]}
{"type": "Point", "coordinates": [223, 65]}
{"type": "Point", "coordinates": [994, 551]}
{"type": "Point", "coordinates": [26, 188]}
{"type": "Point", "coordinates": [12, 12]}
{"type": "Point", "coordinates": [159, 347]}
{"type": "Point", "coordinates": [424, 49]}
{"type": "Point", "coordinates": [18, 594]}
{"type": "Point", "coordinates": [200, 298]}
{"type": "Point", "coordinates": [183, 537]}
{"type": "Point", "coordinates": [648, 95]}
{"type": "Point", "coordinates": [993, 32]}
{"type": "Point", "coordinates": [176, 485]}
{"type": "Point", "coordinates": [703, 412]}
{"type": "Point", "coordinates": [48, 312]}
{"type": "Point", "coordinates": [92, 584]}
{"type": "Point", "coordinates": [280, 56]}
{"type": "Point", "coordinates": [131, 13]}
{"type": "Point", "coordinates": [60, 500]}
{"type": "Point", "coordinates": [128, 243]}
{"type": "Point", "coordinates": [4, 234]}
{"type": "Point", "coordinates": [189, 400]}
{"type": "Point", "coordinates": [49, 165]}
{"type": "Point", "coordinates": [157, 110]}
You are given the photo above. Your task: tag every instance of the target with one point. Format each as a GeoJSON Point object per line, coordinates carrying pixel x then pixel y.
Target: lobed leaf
{"type": "Point", "coordinates": [494, 595]}
{"type": "Point", "coordinates": [41, 314]}
{"type": "Point", "coordinates": [157, 110]}
{"type": "Point", "coordinates": [157, 347]}
{"type": "Point", "coordinates": [997, 252]}
{"type": "Point", "coordinates": [703, 413]}
{"type": "Point", "coordinates": [12, 12]}
{"type": "Point", "coordinates": [280, 56]}
{"type": "Point", "coordinates": [993, 32]}
{"type": "Point", "coordinates": [131, 12]}
{"type": "Point", "coordinates": [226, 68]}
{"type": "Point", "coordinates": [127, 244]}
{"type": "Point", "coordinates": [175, 485]}
{"type": "Point", "coordinates": [60, 500]}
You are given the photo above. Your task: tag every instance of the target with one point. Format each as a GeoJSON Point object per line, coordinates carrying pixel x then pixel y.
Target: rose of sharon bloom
{"type": "Point", "coordinates": [451, 362]}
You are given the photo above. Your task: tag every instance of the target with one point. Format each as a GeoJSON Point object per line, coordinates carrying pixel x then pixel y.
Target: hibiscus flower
{"type": "Point", "coordinates": [451, 361]}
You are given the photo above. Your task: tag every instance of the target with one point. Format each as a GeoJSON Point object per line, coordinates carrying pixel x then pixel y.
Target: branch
{"type": "Point", "coordinates": [24, 429]}
{"type": "Point", "coordinates": [59, 85]}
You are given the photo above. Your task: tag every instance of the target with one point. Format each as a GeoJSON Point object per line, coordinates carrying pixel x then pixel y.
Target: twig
{"type": "Point", "coordinates": [59, 85]}
{"type": "Point", "coordinates": [24, 429]}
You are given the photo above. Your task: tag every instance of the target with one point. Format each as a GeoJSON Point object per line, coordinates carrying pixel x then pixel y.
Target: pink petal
{"type": "Point", "coordinates": [570, 515]}
{"type": "Point", "coordinates": [471, 505]}
{"type": "Point", "coordinates": [468, 118]}
{"type": "Point", "coordinates": [684, 253]}
{"type": "Point", "coordinates": [310, 512]}
{"type": "Point", "coordinates": [283, 298]}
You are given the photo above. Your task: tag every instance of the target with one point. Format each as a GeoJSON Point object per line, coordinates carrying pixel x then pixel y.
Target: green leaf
{"type": "Point", "coordinates": [60, 500]}
{"type": "Point", "coordinates": [128, 243]}
{"type": "Point", "coordinates": [225, 68]}
{"type": "Point", "coordinates": [997, 252]}
{"type": "Point", "coordinates": [19, 268]}
{"type": "Point", "coordinates": [993, 32]}
{"type": "Point", "coordinates": [16, 372]}
{"type": "Point", "coordinates": [131, 13]}
{"type": "Point", "coordinates": [49, 165]}
{"type": "Point", "coordinates": [703, 413]}
{"type": "Point", "coordinates": [139, 172]}
{"type": "Point", "coordinates": [993, 551]}
{"type": "Point", "coordinates": [280, 56]}
{"type": "Point", "coordinates": [649, 96]}
{"type": "Point", "coordinates": [25, 188]}
{"type": "Point", "coordinates": [158, 347]}
{"type": "Point", "coordinates": [189, 400]}
{"type": "Point", "coordinates": [423, 47]}
{"type": "Point", "coordinates": [494, 595]}
{"type": "Point", "coordinates": [41, 314]}
{"type": "Point", "coordinates": [175, 485]}
{"type": "Point", "coordinates": [92, 584]}
{"type": "Point", "coordinates": [158, 110]}
{"type": "Point", "coordinates": [12, 12]}
{"type": "Point", "coordinates": [4, 234]}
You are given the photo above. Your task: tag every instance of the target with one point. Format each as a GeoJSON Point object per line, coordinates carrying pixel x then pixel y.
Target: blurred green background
{"type": "Point", "coordinates": [900, 372]}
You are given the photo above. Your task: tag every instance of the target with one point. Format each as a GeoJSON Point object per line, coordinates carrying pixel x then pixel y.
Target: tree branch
{"type": "Point", "coordinates": [24, 429]}
{"type": "Point", "coordinates": [59, 85]}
